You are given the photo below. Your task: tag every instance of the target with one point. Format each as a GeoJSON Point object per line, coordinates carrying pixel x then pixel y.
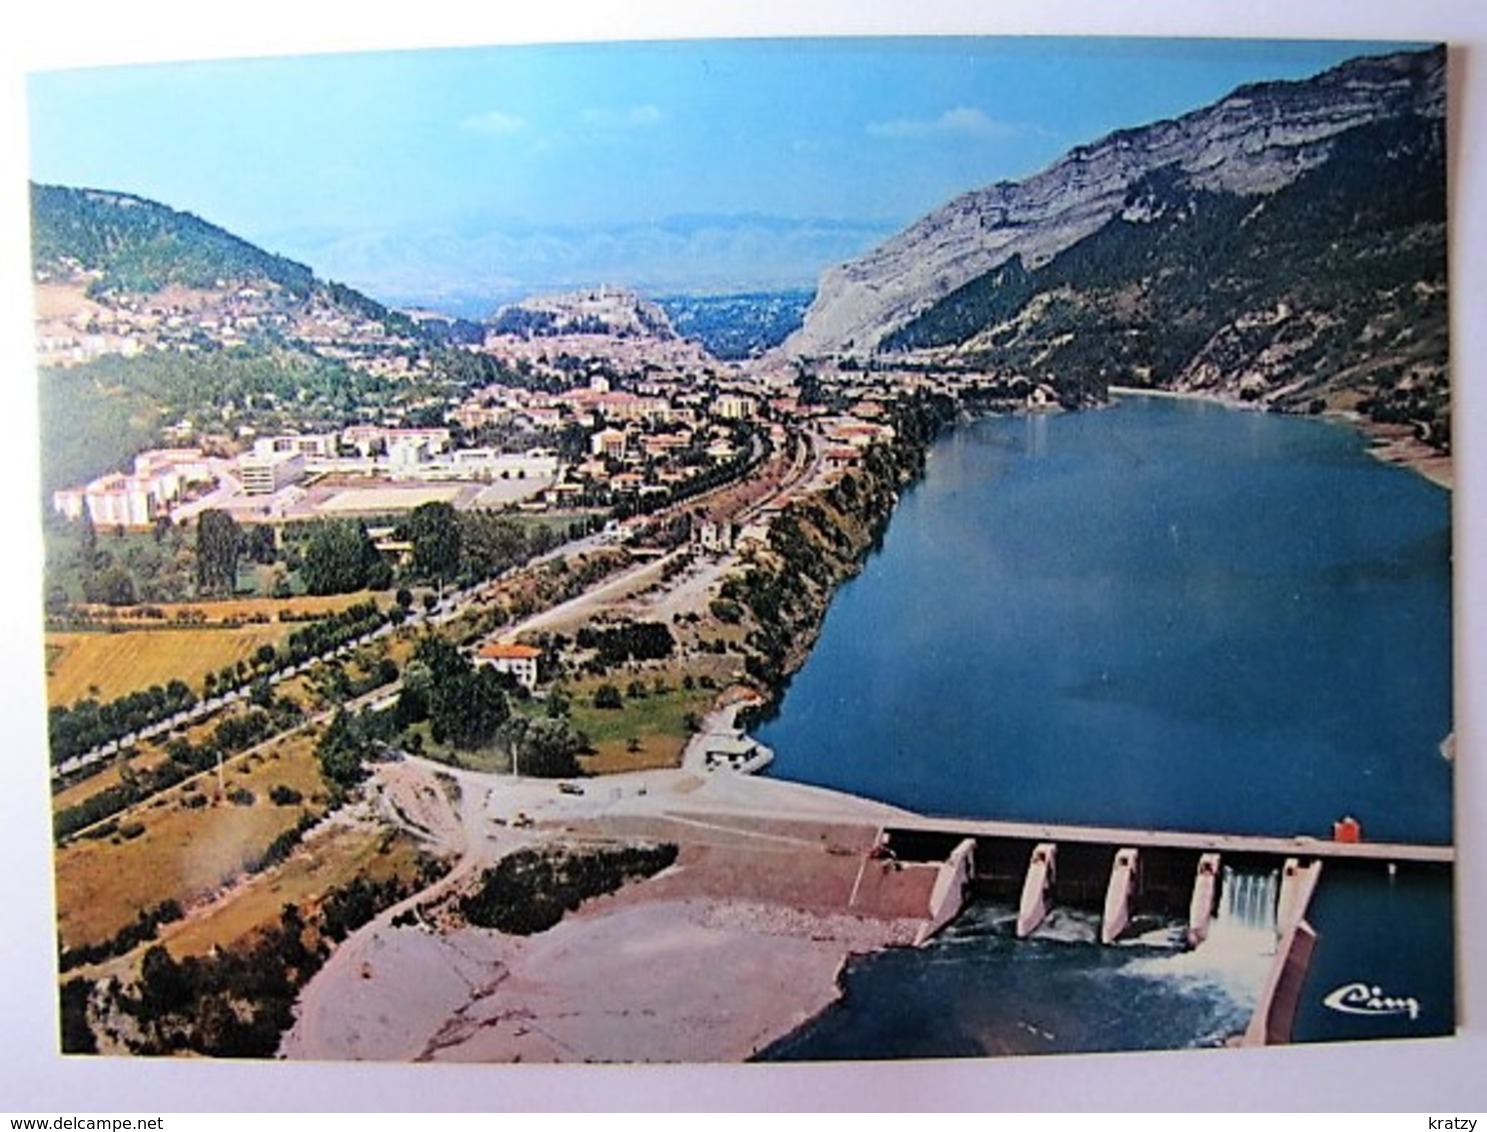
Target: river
{"type": "Point", "coordinates": [1168, 614]}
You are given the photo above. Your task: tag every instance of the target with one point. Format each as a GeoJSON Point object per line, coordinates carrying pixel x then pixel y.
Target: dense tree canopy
{"type": "Point", "coordinates": [342, 750]}
{"type": "Point", "coordinates": [434, 530]}
{"type": "Point", "coordinates": [219, 542]}
{"type": "Point", "coordinates": [339, 558]}
{"type": "Point", "coordinates": [545, 747]}
{"type": "Point", "coordinates": [466, 704]}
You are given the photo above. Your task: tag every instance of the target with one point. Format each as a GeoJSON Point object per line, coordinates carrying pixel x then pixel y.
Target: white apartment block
{"type": "Point", "coordinates": [264, 473]}
{"type": "Point", "coordinates": [136, 500]}
{"type": "Point", "coordinates": [539, 463]}
{"type": "Point", "coordinates": [315, 446]}
{"type": "Point", "coordinates": [734, 407]}
{"type": "Point", "coordinates": [114, 500]}
{"type": "Point", "coordinates": [365, 437]}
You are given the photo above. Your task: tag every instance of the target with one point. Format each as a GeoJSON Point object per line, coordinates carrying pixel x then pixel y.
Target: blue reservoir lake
{"type": "Point", "coordinates": [1167, 614]}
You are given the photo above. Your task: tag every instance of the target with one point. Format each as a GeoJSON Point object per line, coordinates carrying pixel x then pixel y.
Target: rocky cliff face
{"type": "Point", "coordinates": [1258, 140]}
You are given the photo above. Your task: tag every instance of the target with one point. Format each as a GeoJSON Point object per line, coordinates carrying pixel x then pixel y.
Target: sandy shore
{"type": "Point", "coordinates": [1397, 444]}
{"type": "Point", "coordinates": [736, 945]}
{"type": "Point", "coordinates": [1391, 443]}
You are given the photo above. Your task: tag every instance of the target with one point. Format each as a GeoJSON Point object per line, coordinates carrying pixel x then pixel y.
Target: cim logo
{"type": "Point", "coordinates": [1361, 998]}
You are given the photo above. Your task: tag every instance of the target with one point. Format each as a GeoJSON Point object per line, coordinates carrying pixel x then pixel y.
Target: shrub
{"type": "Point", "coordinates": [530, 891]}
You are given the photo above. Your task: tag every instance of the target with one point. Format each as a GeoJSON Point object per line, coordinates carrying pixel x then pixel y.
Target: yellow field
{"type": "Point", "coordinates": [184, 854]}
{"type": "Point", "coordinates": [119, 663]}
{"type": "Point", "coordinates": [126, 661]}
{"type": "Point", "coordinates": [327, 862]}
{"type": "Point", "coordinates": [243, 608]}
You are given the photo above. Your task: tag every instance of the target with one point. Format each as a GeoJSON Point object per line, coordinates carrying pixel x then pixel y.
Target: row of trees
{"type": "Point", "coordinates": [231, 736]}
{"type": "Point", "coordinates": [531, 890]}
{"type": "Point", "coordinates": [634, 640]}
{"type": "Point", "coordinates": [88, 724]}
{"type": "Point", "coordinates": [465, 547]}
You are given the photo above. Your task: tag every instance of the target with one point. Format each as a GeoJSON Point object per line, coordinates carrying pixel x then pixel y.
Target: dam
{"type": "Point", "coordinates": [1132, 878]}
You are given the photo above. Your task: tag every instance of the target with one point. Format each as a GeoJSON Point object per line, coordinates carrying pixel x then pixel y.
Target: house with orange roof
{"type": "Point", "coordinates": [507, 656]}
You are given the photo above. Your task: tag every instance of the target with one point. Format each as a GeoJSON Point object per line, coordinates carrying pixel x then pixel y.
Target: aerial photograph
{"type": "Point", "coordinates": [747, 550]}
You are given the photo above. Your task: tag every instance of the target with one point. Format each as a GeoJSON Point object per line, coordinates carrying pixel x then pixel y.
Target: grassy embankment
{"type": "Point", "coordinates": [328, 862]}
{"type": "Point", "coordinates": [183, 852]}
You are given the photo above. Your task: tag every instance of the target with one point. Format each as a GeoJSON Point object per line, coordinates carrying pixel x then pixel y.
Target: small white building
{"type": "Point", "coordinates": [608, 442]}
{"type": "Point", "coordinates": [734, 407]}
{"type": "Point", "coordinates": [715, 536]}
{"type": "Point", "coordinates": [519, 660]}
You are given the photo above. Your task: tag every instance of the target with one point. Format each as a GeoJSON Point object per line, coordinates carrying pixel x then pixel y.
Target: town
{"type": "Point", "coordinates": [566, 543]}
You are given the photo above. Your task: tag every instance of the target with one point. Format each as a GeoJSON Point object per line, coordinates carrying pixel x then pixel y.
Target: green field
{"type": "Point", "coordinates": [657, 723]}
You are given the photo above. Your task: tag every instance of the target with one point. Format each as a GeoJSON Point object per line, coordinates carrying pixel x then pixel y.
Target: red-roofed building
{"type": "Point", "coordinates": [519, 660]}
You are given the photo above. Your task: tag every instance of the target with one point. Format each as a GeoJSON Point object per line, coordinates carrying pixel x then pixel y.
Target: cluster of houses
{"type": "Point", "coordinates": [181, 320]}
{"type": "Point", "coordinates": [674, 419]}
{"type": "Point", "coordinates": [639, 442]}
{"type": "Point", "coordinates": [136, 499]}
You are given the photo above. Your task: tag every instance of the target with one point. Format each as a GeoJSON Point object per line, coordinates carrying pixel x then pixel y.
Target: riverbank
{"type": "Point", "coordinates": [737, 944]}
{"type": "Point", "coordinates": [1398, 445]}
{"type": "Point", "coordinates": [821, 538]}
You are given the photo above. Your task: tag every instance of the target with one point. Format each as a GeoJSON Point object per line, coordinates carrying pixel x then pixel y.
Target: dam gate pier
{"type": "Point", "coordinates": [1127, 877]}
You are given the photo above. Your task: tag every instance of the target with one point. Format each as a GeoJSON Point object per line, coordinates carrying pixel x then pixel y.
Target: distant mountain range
{"type": "Point", "coordinates": [1286, 244]}
{"type": "Point", "coordinates": [471, 269]}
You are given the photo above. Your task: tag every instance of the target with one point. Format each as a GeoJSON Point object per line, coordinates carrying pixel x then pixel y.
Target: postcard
{"type": "Point", "coordinates": [714, 551]}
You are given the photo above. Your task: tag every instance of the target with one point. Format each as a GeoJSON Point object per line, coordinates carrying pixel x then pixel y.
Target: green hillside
{"type": "Point", "coordinates": [137, 245]}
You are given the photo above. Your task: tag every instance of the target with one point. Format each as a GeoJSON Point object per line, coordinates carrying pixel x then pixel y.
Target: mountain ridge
{"type": "Point", "coordinates": [1255, 140]}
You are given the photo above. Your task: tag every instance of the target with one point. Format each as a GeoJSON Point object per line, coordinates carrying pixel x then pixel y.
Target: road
{"type": "Point", "coordinates": [457, 602]}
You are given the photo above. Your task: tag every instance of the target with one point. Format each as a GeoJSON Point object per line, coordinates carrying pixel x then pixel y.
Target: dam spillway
{"type": "Point", "coordinates": [1127, 872]}
{"type": "Point", "coordinates": [1228, 889]}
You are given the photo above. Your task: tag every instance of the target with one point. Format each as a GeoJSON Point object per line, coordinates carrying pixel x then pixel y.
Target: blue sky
{"type": "Point", "coordinates": [463, 175]}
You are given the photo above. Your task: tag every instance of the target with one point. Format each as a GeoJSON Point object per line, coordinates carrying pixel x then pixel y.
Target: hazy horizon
{"type": "Point", "coordinates": [459, 178]}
